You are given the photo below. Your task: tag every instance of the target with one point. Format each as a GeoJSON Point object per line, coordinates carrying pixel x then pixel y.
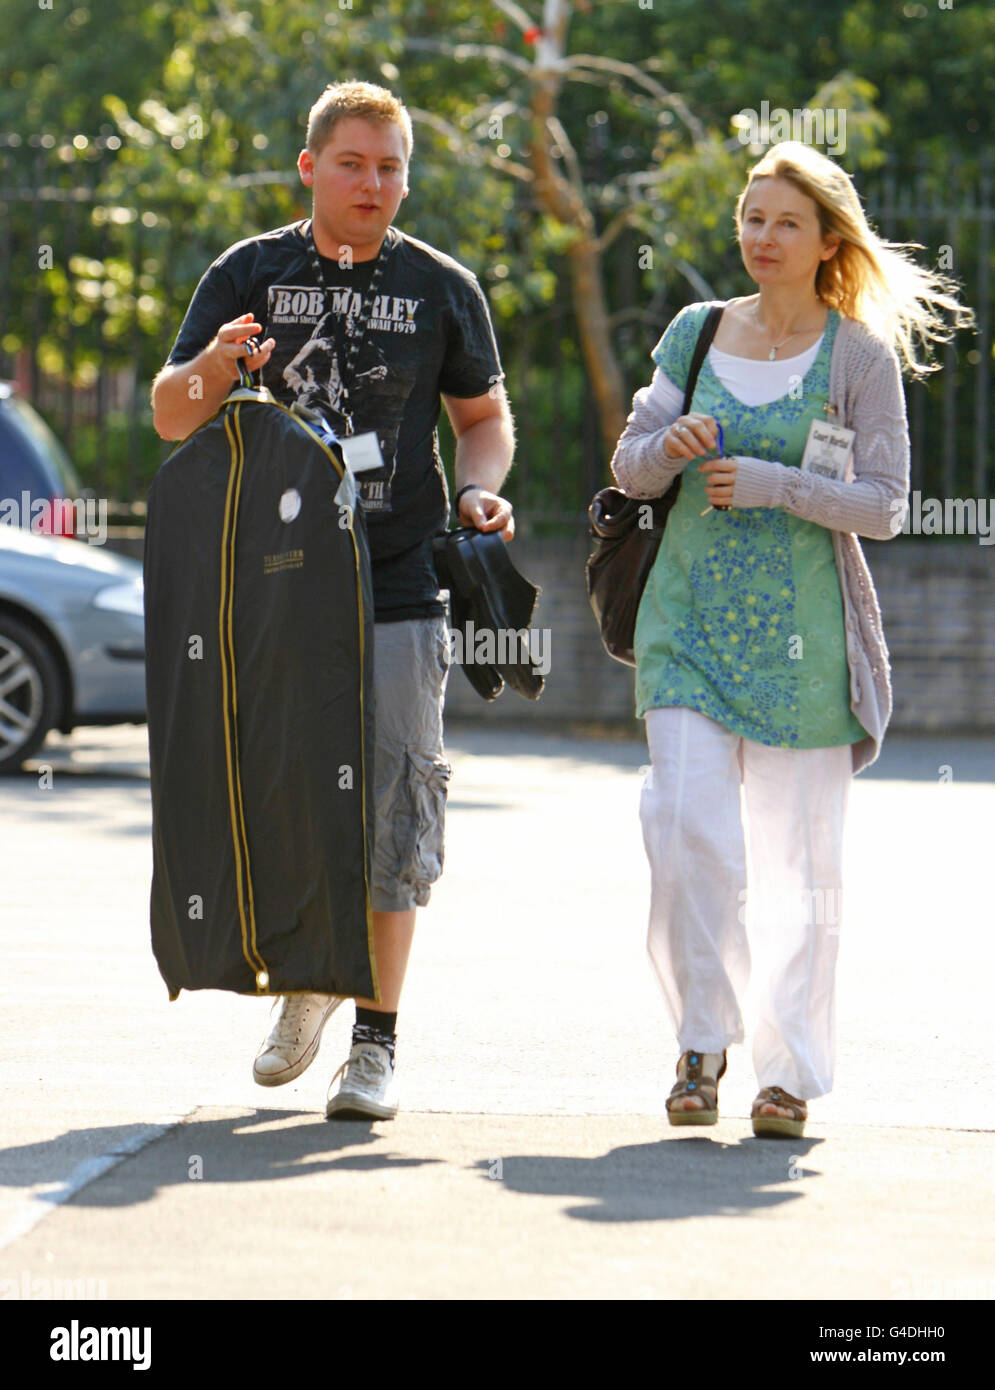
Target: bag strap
{"type": "Point", "coordinates": [700, 348]}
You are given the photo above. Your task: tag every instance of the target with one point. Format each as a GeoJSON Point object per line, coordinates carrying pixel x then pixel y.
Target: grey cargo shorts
{"type": "Point", "coordinates": [410, 772]}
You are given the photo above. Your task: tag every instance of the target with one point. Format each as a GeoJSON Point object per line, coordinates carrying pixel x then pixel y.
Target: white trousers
{"type": "Point", "coordinates": [746, 841]}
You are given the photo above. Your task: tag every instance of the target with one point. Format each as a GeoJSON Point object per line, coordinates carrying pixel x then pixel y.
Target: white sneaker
{"type": "Point", "coordinates": [295, 1037]}
{"type": "Point", "coordinates": [368, 1090]}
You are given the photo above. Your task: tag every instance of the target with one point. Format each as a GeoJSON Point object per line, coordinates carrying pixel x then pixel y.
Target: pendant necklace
{"type": "Point", "coordinates": [772, 355]}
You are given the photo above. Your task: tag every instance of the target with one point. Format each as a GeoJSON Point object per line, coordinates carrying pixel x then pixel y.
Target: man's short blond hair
{"type": "Point", "coordinates": [340, 100]}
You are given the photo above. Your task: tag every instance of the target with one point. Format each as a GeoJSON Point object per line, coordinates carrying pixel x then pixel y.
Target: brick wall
{"type": "Point", "coordinates": [937, 597]}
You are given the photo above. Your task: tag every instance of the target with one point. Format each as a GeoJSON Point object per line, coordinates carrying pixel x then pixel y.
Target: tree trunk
{"type": "Point", "coordinates": [563, 199]}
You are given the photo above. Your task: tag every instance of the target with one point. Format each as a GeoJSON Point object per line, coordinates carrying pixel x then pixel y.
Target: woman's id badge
{"type": "Point", "coordinates": [827, 449]}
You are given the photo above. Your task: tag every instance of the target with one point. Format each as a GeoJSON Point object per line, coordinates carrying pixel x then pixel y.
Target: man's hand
{"type": "Point", "coordinates": [485, 442]}
{"type": "Point", "coordinates": [487, 512]}
{"type": "Point", "coordinates": [188, 393]}
{"type": "Point", "coordinates": [229, 346]}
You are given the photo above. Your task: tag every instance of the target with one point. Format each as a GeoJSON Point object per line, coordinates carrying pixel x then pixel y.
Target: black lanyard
{"type": "Point", "coordinates": [355, 331]}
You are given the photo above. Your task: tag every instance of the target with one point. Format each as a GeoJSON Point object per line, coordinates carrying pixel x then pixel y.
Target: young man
{"type": "Point", "coordinates": [373, 328]}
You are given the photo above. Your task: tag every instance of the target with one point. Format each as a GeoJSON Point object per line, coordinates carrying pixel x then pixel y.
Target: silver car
{"type": "Point", "coordinates": [72, 640]}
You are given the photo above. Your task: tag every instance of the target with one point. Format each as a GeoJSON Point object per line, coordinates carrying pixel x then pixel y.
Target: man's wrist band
{"type": "Point", "coordinates": [470, 487]}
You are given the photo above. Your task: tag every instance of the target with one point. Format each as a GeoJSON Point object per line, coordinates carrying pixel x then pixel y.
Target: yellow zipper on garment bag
{"type": "Point", "coordinates": [229, 707]}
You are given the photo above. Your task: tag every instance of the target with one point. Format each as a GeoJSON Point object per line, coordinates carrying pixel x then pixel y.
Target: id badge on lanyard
{"type": "Point", "coordinates": [828, 449]}
{"type": "Point", "coordinates": [362, 451]}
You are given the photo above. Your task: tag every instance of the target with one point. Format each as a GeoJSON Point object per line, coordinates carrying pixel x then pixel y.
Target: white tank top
{"type": "Point", "coordinates": [759, 383]}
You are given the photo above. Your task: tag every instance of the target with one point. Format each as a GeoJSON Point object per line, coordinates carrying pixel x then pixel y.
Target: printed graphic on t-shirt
{"type": "Point", "coordinates": [431, 331]}
{"type": "Point", "coordinates": [311, 329]}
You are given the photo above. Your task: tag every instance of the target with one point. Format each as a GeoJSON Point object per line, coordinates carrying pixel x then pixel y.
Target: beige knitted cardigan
{"type": "Point", "coordinates": [865, 385]}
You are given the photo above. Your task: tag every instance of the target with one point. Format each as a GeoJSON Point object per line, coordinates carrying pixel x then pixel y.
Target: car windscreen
{"type": "Point", "coordinates": [31, 458]}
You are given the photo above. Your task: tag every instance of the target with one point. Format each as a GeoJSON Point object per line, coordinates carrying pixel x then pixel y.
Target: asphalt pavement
{"type": "Point", "coordinates": [532, 1158]}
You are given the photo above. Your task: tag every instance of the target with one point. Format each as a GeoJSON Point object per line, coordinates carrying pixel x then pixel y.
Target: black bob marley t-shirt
{"type": "Point", "coordinates": [429, 333]}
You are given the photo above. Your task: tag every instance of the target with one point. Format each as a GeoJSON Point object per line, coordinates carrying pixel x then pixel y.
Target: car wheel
{"type": "Point", "coordinates": [30, 692]}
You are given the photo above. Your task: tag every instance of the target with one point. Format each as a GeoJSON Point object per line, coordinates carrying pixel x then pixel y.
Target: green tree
{"type": "Point", "coordinates": [582, 158]}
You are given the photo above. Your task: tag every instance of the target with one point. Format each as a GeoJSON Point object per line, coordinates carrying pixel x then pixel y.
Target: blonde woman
{"type": "Point", "coordinates": [761, 667]}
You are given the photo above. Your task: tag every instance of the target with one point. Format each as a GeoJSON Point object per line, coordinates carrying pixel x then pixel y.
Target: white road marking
{"type": "Point", "coordinates": [43, 1199]}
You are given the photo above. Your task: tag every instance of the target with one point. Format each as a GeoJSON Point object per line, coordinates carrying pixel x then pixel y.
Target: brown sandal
{"type": "Point", "coordinates": [768, 1125]}
{"type": "Point", "coordinates": [692, 1080]}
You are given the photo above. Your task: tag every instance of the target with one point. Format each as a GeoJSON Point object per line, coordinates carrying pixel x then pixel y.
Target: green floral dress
{"type": "Point", "coordinates": [742, 615]}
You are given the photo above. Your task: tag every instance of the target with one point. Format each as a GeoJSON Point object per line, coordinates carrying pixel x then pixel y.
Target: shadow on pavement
{"type": "Point", "coordinates": [229, 1150]}
{"type": "Point", "coordinates": [669, 1180]}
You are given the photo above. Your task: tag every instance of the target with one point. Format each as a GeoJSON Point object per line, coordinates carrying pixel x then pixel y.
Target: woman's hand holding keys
{"type": "Point", "coordinates": [690, 436]}
{"type": "Point", "coordinates": [721, 478]}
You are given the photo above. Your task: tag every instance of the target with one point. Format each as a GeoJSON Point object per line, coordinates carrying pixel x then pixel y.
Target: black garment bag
{"type": "Point", "coordinates": [259, 642]}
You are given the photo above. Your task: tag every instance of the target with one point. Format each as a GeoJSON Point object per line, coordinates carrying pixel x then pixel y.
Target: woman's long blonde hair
{"type": "Point", "coordinates": [878, 282]}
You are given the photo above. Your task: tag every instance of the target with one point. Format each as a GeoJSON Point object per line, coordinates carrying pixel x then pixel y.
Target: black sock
{"type": "Point", "coordinates": [372, 1026]}
{"type": "Point", "coordinates": [373, 1018]}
